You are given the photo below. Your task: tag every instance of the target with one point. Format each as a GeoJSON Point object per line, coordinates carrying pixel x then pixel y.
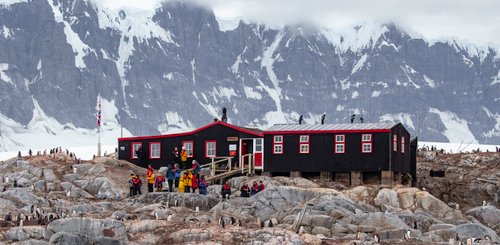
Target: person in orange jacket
{"type": "Point", "coordinates": [150, 177]}
{"type": "Point", "coordinates": [189, 181]}
{"type": "Point", "coordinates": [184, 156]}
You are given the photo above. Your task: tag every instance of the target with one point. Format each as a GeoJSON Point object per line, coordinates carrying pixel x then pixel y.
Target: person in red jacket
{"type": "Point", "coordinates": [261, 186]}
{"type": "Point", "coordinates": [194, 183]}
{"type": "Point", "coordinates": [226, 190]}
{"type": "Point", "coordinates": [255, 188]}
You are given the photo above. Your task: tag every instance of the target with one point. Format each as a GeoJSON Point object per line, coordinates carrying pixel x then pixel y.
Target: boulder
{"type": "Point", "coordinates": [91, 227]}
{"type": "Point", "coordinates": [107, 241]}
{"type": "Point", "coordinates": [39, 185]}
{"type": "Point", "coordinates": [144, 226]}
{"type": "Point", "coordinates": [388, 197]}
{"type": "Point", "coordinates": [161, 213]}
{"type": "Point", "coordinates": [406, 197]}
{"type": "Point", "coordinates": [22, 195]}
{"type": "Point", "coordinates": [311, 239]}
{"type": "Point", "coordinates": [476, 230]}
{"type": "Point", "coordinates": [49, 175]}
{"type": "Point", "coordinates": [489, 215]}
{"type": "Point", "coordinates": [26, 233]}
{"type": "Point", "coordinates": [361, 193]}
{"type": "Point", "coordinates": [63, 238]}
{"type": "Point", "coordinates": [31, 242]}
{"type": "Point", "coordinates": [381, 220]}
{"type": "Point", "coordinates": [321, 230]}
{"type": "Point", "coordinates": [189, 235]}
{"type": "Point", "coordinates": [397, 234]}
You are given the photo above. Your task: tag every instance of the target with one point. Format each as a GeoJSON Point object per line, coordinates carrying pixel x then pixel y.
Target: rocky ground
{"type": "Point", "coordinates": [64, 196]}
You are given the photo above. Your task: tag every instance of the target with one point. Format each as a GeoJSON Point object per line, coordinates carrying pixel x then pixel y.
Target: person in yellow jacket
{"type": "Point", "coordinates": [182, 183]}
{"type": "Point", "coordinates": [184, 157]}
{"type": "Point", "coordinates": [188, 179]}
{"type": "Point", "coordinates": [150, 177]}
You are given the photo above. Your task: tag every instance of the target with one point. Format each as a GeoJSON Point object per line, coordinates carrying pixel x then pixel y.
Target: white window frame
{"type": "Point", "coordinates": [395, 142]}
{"type": "Point", "coordinates": [189, 146]}
{"type": "Point", "coordinates": [366, 138]}
{"type": "Point", "coordinates": [304, 139]}
{"type": "Point", "coordinates": [402, 144]}
{"type": "Point", "coordinates": [259, 145]}
{"type": "Point", "coordinates": [134, 149]}
{"type": "Point", "coordinates": [152, 150]}
{"type": "Point", "coordinates": [208, 148]}
{"type": "Point", "coordinates": [339, 151]}
{"type": "Point", "coordinates": [369, 150]}
{"type": "Point", "coordinates": [276, 147]}
{"type": "Point", "coordinates": [340, 138]}
{"type": "Point", "coordinates": [280, 141]}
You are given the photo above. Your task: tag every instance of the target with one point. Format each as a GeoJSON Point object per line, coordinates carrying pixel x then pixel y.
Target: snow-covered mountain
{"type": "Point", "coordinates": [173, 69]}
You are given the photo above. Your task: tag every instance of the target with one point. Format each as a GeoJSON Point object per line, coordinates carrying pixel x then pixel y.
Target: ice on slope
{"type": "Point", "coordinates": [404, 118]}
{"type": "Point", "coordinates": [355, 39]}
{"type": "Point", "coordinates": [9, 2]}
{"type": "Point", "coordinates": [495, 131]}
{"type": "Point", "coordinates": [3, 76]}
{"type": "Point", "coordinates": [457, 129]}
{"type": "Point", "coordinates": [42, 132]}
{"type": "Point", "coordinates": [6, 32]}
{"type": "Point", "coordinates": [359, 64]}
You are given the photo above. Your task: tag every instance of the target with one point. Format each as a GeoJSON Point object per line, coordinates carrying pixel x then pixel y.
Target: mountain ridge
{"type": "Point", "coordinates": [178, 73]}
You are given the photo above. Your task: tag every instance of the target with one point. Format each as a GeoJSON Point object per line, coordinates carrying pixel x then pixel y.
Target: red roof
{"type": "Point", "coordinates": [240, 129]}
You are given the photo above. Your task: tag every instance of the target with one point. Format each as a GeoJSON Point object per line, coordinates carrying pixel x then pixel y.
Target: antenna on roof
{"type": "Point", "coordinates": [323, 119]}
{"type": "Point", "coordinates": [361, 119]}
{"type": "Point", "coordinates": [352, 118]}
{"type": "Point", "coordinates": [300, 119]}
{"type": "Point", "coordinates": [224, 114]}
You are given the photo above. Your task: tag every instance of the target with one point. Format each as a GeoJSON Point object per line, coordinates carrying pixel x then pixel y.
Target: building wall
{"type": "Point", "coordinates": [321, 155]}
{"type": "Point", "coordinates": [219, 133]}
{"type": "Point", "coordinates": [400, 161]}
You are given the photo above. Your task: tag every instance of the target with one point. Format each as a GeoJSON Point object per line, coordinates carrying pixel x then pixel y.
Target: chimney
{"type": "Point", "coordinates": [300, 119]}
{"type": "Point", "coordinates": [323, 119]}
{"type": "Point", "coordinates": [224, 114]}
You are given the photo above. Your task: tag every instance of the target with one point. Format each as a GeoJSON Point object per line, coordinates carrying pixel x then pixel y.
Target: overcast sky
{"type": "Point", "coordinates": [477, 21]}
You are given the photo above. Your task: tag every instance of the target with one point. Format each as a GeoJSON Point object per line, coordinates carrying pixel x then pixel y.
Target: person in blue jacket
{"type": "Point", "coordinates": [202, 184]}
{"type": "Point", "coordinates": [170, 178]}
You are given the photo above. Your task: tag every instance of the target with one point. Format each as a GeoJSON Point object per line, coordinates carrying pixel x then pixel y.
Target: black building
{"type": "Point", "coordinates": [352, 153]}
{"type": "Point", "coordinates": [214, 141]}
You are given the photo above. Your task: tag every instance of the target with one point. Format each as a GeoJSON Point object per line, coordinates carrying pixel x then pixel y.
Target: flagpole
{"type": "Point", "coordinates": [99, 128]}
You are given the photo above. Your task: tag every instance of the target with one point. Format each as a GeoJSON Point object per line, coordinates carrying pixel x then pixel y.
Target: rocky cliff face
{"type": "Point", "coordinates": [174, 69]}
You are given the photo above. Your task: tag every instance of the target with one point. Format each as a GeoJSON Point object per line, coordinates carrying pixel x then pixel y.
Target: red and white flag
{"type": "Point", "coordinates": [99, 110]}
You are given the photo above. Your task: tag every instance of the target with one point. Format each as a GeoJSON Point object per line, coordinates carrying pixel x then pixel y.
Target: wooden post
{"type": "Point", "coordinates": [213, 167]}
{"type": "Point", "coordinates": [230, 163]}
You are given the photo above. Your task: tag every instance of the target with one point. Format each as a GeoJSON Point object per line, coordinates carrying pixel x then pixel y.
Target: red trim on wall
{"type": "Point", "coordinates": [151, 150]}
{"type": "Point", "coordinates": [132, 149]}
{"type": "Point", "coordinates": [403, 143]}
{"type": "Point", "coordinates": [302, 132]}
{"type": "Point", "coordinates": [192, 146]}
{"type": "Point", "coordinates": [395, 142]}
{"type": "Point", "coordinates": [206, 148]}
{"type": "Point", "coordinates": [243, 130]}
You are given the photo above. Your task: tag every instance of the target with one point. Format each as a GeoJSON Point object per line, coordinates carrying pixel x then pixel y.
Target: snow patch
{"type": "Point", "coordinates": [495, 131]}
{"type": "Point", "coordinates": [457, 129]}
{"type": "Point", "coordinates": [3, 76]}
{"type": "Point", "coordinates": [169, 76]}
{"type": "Point", "coordinates": [496, 80]}
{"type": "Point", "coordinates": [193, 70]}
{"type": "Point", "coordinates": [9, 2]}
{"type": "Point", "coordinates": [6, 32]}
{"type": "Point", "coordinates": [275, 91]}
{"type": "Point", "coordinates": [355, 38]}
{"type": "Point", "coordinates": [403, 118]}
{"type": "Point", "coordinates": [81, 49]}
{"type": "Point", "coordinates": [429, 82]}
{"type": "Point", "coordinates": [224, 92]}
{"type": "Point", "coordinates": [354, 95]}
{"type": "Point", "coordinates": [375, 93]}
{"type": "Point", "coordinates": [359, 64]}
{"type": "Point", "coordinates": [174, 123]}
{"type": "Point", "coordinates": [340, 108]}
{"type": "Point", "coordinates": [250, 93]}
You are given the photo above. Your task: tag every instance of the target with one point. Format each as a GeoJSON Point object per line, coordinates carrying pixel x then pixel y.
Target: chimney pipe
{"type": "Point", "coordinates": [323, 119]}
{"type": "Point", "coordinates": [300, 119]}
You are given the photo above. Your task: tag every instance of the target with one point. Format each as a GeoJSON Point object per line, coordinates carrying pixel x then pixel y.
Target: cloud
{"type": "Point", "coordinates": [476, 21]}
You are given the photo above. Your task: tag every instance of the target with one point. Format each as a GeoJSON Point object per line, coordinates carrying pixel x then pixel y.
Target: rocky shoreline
{"type": "Point", "coordinates": [288, 211]}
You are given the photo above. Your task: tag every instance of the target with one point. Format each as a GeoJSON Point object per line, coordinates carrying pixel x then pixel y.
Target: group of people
{"type": "Point", "coordinates": [247, 191]}
{"type": "Point", "coordinates": [188, 181]}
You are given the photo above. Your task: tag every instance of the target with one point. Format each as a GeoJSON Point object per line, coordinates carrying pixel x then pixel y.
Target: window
{"type": "Point", "coordinates": [395, 143]}
{"type": "Point", "coordinates": [366, 143]}
{"type": "Point", "coordinates": [278, 144]}
{"type": "Point", "coordinates": [278, 139]}
{"type": "Point", "coordinates": [339, 138]}
{"type": "Point", "coordinates": [367, 148]}
{"type": "Point", "coordinates": [134, 147]}
{"type": "Point", "coordinates": [154, 150]}
{"type": "Point", "coordinates": [339, 148]}
{"type": "Point", "coordinates": [210, 148]}
{"type": "Point", "coordinates": [402, 144]}
{"type": "Point", "coordinates": [278, 149]}
{"type": "Point", "coordinates": [188, 145]}
{"type": "Point", "coordinates": [258, 145]}
{"type": "Point", "coordinates": [304, 144]}
{"type": "Point", "coordinates": [340, 143]}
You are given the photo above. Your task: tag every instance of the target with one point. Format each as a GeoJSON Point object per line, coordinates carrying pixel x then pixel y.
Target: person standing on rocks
{"type": "Point", "coordinates": [203, 185]}
{"type": "Point", "coordinates": [131, 183]}
{"type": "Point", "coordinates": [137, 185]}
{"type": "Point", "coordinates": [188, 181]}
{"type": "Point", "coordinates": [196, 167]}
{"type": "Point", "coordinates": [245, 190]}
{"type": "Point", "coordinates": [177, 174]}
{"type": "Point", "coordinates": [150, 177]}
{"type": "Point", "coordinates": [194, 183]}
{"type": "Point", "coordinates": [170, 178]}
{"type": "Point", "coordinates": [226, 190]}
{"type": "Point", "coordinates": [255, 188]}
{"type": "Point", "coordinates": [159, 182]}
{"type": "Point", "coordinates": [182, 183]}
{"type": "Point", "coordinates": [261, 186]}
{"type": "Point", "coordinates": [184, 156]}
